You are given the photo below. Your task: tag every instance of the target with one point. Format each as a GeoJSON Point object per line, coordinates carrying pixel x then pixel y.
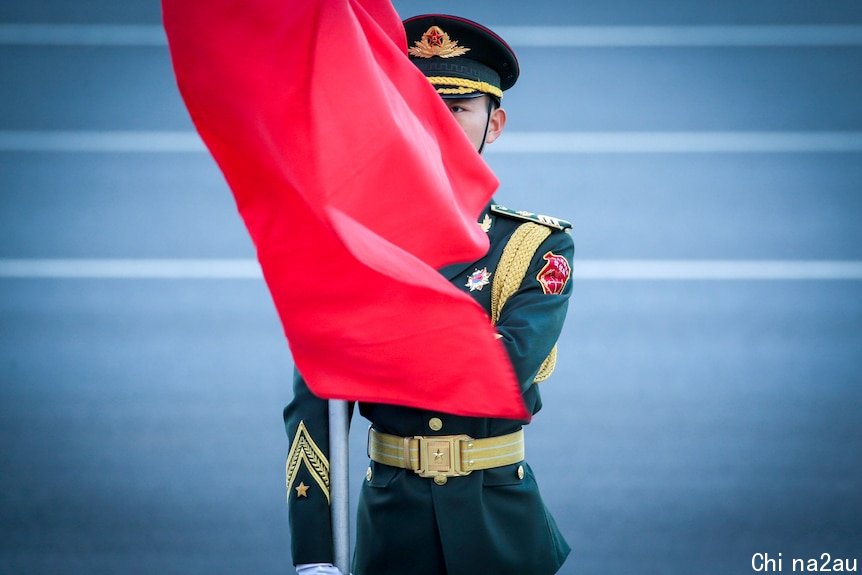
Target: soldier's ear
{"type": "Point", "coordinates": [496, 125]}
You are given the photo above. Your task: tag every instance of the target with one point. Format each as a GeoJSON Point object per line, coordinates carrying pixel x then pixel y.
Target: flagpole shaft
{"type": "Point", "coordinates": [338, 475]}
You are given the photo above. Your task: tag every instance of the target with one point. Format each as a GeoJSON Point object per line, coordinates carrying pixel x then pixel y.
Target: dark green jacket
{"type": "Point", "coordinates": [491, 521]}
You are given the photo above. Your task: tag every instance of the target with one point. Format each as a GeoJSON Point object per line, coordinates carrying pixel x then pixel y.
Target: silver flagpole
{"type": "Point", "coordinates": [338, 477]}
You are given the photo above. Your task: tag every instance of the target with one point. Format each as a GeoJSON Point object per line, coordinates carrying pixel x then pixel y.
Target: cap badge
{"type": "Point", "coordinates": [436, 42]}
{"type": "Point", "coordinates": [478, 279]}
{"type": "Point", "coordinates": [486, 224]}
{"type": "Point", "coordinates": [554, 276]}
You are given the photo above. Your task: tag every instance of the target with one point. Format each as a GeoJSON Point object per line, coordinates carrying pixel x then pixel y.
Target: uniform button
{"type": "Point", "coordinates": [520, 471]}
{"type": "Point", "coordinates": [440, 479]}
{"type": "Point", "coordinates": [368, 474]}
{"type": "Point", "coordinates": [435, 423]}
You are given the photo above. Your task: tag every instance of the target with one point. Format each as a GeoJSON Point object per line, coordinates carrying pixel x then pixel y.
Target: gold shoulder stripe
{"type": "Point", "coordinates": [549, 221]}
{"type": "Point", "coordinates": [305, 451]}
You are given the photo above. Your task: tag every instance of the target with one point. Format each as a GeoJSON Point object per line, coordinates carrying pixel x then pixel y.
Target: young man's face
{"type": "Point", "coordinates": [472, 115]}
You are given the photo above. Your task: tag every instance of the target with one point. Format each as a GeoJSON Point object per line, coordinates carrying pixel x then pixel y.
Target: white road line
{"type": "Point", "coordinates": [100, 141]}
{"type": "Point", "coordinates": [82, 35]}
{"type": "Point", "coordinates": [517, 36]}
{"type": "Point", "coordinates": [679, 36]}
{"type": "Point", "coordinates": [130, 268]}
{"type": "Point", "coordinates": [510, 143]}
{"type": "Point", "coordinates": [717, 270]}
{"type": "Point", "coordinates": [675, 142]}
{"type": "Point", "coordinates": [614, 270]}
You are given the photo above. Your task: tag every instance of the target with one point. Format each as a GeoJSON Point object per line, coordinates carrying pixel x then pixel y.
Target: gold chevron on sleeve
{"type": "Point", "coordinates": [305, 451]}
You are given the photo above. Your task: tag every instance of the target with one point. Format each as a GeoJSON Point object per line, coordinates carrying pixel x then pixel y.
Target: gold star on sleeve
{"type": "Point", "coordinates": [305, 452]}
{"type": "Point", "coordinates": [301, 490]}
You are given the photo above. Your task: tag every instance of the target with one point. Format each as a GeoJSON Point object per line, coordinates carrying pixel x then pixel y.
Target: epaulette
{"type": "Point", "coordinates": [549, 221]}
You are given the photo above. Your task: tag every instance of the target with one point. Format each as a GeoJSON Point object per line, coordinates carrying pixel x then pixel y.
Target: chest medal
{"type": "Point", "coordinates": [478, 279]}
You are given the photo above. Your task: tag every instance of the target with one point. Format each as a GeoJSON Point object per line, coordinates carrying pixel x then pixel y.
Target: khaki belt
{"type": "Point", "coordinates": [445, 455]}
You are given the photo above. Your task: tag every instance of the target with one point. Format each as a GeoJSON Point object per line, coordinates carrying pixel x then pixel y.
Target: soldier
{"type": "Point", "coordinates": [447, 494]}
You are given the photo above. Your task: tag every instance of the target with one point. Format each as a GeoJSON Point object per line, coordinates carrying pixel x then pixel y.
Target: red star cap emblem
{"type": "Point", "coordinates": [435, 36]}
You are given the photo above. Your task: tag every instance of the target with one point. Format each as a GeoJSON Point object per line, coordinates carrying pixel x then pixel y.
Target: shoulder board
{"type": "Point", "coordinates": [549, 221]}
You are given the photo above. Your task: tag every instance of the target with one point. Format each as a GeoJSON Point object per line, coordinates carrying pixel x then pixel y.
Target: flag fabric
{"type": "Point", "coordinates": [356, 185]}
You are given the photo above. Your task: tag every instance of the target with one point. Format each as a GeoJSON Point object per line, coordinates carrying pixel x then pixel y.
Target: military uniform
{"type": "Point", "coordinates": [462, 499]}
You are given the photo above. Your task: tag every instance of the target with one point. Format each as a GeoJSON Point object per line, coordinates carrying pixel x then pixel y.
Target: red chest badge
{"type": "Point", "coordinates": [555, 274]}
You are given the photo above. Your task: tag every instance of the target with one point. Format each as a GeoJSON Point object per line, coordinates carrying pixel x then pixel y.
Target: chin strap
{"type": "Point", "coordinates": [487, 123]}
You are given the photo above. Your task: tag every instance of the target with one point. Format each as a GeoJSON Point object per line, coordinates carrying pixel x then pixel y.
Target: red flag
{"type": "Point", "coordinates": [355, 184]}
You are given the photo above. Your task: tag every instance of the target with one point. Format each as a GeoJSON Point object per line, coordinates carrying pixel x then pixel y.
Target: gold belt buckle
{"type": "Point", "coordinates": [441, 455]}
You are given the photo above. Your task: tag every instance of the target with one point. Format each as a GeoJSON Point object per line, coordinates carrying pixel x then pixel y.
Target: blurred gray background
{"type": "Point", "coordinates": [708, 401]}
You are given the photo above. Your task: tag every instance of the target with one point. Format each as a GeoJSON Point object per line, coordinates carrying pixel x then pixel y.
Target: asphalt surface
{"type": "Point", "coordinates": [690, 425]}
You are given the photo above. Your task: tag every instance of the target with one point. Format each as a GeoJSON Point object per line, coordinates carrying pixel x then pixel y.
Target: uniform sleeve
{"type": "Point", "coordinates": [532, 318]}
{"type": "Point", "coordinates": [306, 421]}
